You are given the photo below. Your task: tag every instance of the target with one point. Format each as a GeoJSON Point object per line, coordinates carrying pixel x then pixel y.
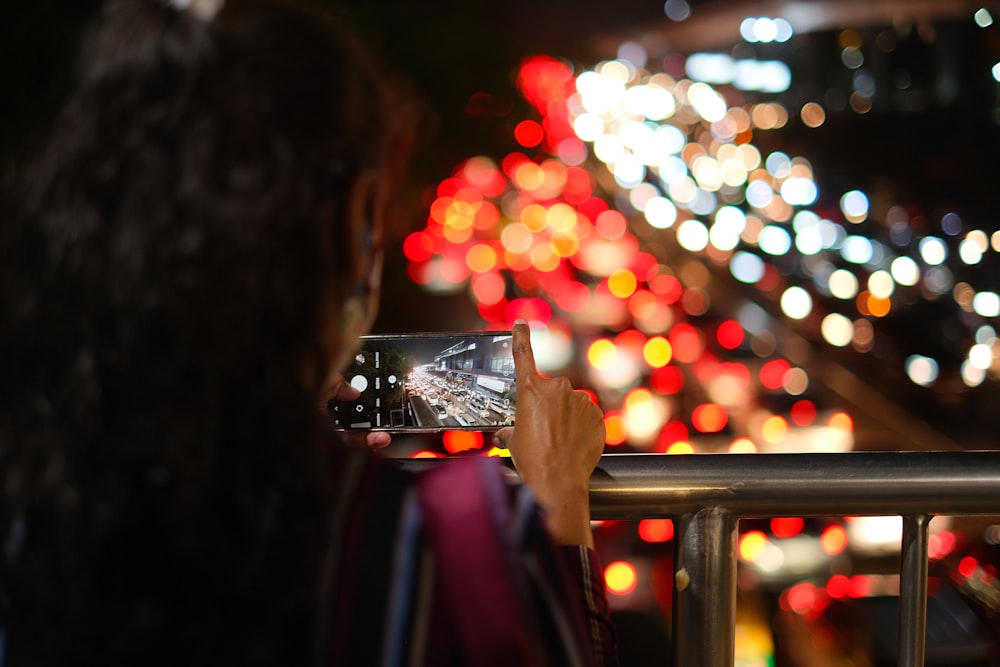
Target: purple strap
{"type": "Point", "coordinates": [466, 506]}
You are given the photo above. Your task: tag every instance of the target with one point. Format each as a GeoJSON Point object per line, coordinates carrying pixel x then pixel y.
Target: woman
{"type": "Point", "coordinates": [194, 254]}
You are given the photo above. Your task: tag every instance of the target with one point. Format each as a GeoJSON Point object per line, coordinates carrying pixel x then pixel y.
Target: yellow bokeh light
{"type": "Point", "coordinates": [561, 217]}
{"type": "Point", "coordinates": [657, 352]}
{"type": "Point", "coordinates": [644, 415]}
{"type": "Point", "coordinates": [620, 577]}
{"type": "Point", "coordinates": [752, 545]}
{"type": "Point", "coordinates": [602, 354]}
{"type": "Point", "coordinates": [774, 429]}
{"type": "Point", "coordinates": [622, 283]}
{"type": "Point", "coordinates": [742, 446]}
{"type": "Point", "coordinates": [681, 447]}
{"type": "Point", "coordinates": [638, 399]}
{"type": "Point", "coordinates": [460, 214]}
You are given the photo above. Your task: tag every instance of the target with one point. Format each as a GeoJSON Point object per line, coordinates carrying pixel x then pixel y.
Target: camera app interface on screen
{"type": "Point", "coordinates": [430, 383]}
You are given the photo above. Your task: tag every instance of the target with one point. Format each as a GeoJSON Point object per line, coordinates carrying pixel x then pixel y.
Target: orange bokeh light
{"type": "Point", "coordinates": [878, 307]}
{"type": "Point", "coordinates": [426, 454]}
{"type": "Point", "coordinates": [481, 258]}
{"type": "Point", "coordinates": [709, 418]}
{"type": "Point", "coordinates": [462, 441]}
{"type": "Point", "coordinates": [842, 421]}
{"type": "Point", "coordinates": [833, 539]}
{"type": "Point", "coordinates": [614, 428]}
{"type": "Point", "coordinates": [622, 283]}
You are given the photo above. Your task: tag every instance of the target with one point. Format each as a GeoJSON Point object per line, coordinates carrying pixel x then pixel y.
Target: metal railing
{"type": "Point", "coordinates": [706, 495]}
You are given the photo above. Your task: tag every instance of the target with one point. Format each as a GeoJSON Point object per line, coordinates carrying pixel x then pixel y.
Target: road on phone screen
{"type": "Point", "coordinates": [437, 400]}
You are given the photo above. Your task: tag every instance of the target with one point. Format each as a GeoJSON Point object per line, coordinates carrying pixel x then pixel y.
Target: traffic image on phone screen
{"type": "Point", "coordinates": [430, 382]}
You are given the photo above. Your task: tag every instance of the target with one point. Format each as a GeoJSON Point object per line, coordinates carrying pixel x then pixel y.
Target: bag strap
{"type": "Point", "coordinates": [467, 515]}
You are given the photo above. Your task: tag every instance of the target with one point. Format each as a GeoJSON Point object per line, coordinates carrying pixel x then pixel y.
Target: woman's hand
{"type": "Point", "coordinates": [337, 388]}
{"type": "Point", "coordinates": [555, 443]}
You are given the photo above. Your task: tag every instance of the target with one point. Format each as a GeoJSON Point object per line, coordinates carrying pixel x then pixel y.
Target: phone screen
{"type": "Point", "coordinates": [430, 382]}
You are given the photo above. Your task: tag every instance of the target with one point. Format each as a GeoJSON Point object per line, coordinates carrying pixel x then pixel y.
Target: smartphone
{"type": "Point", "coordinates": [429, 382]}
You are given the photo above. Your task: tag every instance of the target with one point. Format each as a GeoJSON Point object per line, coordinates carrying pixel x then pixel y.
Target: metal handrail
{"type": "Point", "coordinates": [706, 495]}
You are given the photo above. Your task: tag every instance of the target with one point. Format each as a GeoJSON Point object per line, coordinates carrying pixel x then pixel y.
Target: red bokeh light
{"type": "Point", "coordinates": [803, 412]}
{"type": "Point", "coordinates": [529, 309]}
{"type": "Point", "coordinates": [729, 334]}
{"type": "Point", "coordinates": [838, 586]}
{"type": "Point", "coordinates": [687, 343]}
{"type": "Point", "coordinates": [528, 133]}
{"type": "Point", "coordinates": [578, 188]}
{"type": "Point", "coordinates": [968, 566]}
{"type": "Point", "coordinates": [787, 526]}
{"type": "Point", "coordinates": [673, 431]}
{"type": "Point", "coordinates": [656, 530]}
{"type": "Point", "coordinates": [668, 380]}
{"type": "Point", "coordinates": [772, 374]}
{"type": "Point", "coordinates": [418, 247]}
{"type": "Point", "coordinates": [668, 287]}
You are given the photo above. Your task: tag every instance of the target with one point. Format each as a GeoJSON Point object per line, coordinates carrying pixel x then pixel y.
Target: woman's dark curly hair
{"type": "Point", "coordinates": [175, 252]}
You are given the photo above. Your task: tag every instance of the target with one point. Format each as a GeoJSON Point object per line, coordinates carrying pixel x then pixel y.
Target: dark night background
{"type": "Point", "coordinates": [934, 150]}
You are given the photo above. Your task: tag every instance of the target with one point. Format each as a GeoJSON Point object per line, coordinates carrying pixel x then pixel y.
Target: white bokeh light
{"type": "Point", "coordinates": [796, 303]}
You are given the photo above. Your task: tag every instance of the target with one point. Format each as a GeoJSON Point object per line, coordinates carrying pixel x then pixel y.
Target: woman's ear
{"type": "Point", "coordinates": [365, 218]}
{"type": "Point", "coordinates": [365, 221]}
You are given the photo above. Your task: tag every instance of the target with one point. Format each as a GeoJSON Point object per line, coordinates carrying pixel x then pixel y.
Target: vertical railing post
{"type": "Point", "coordinates": [704, 616]}
{"type": "Point", "coordinates": [913, 591]}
